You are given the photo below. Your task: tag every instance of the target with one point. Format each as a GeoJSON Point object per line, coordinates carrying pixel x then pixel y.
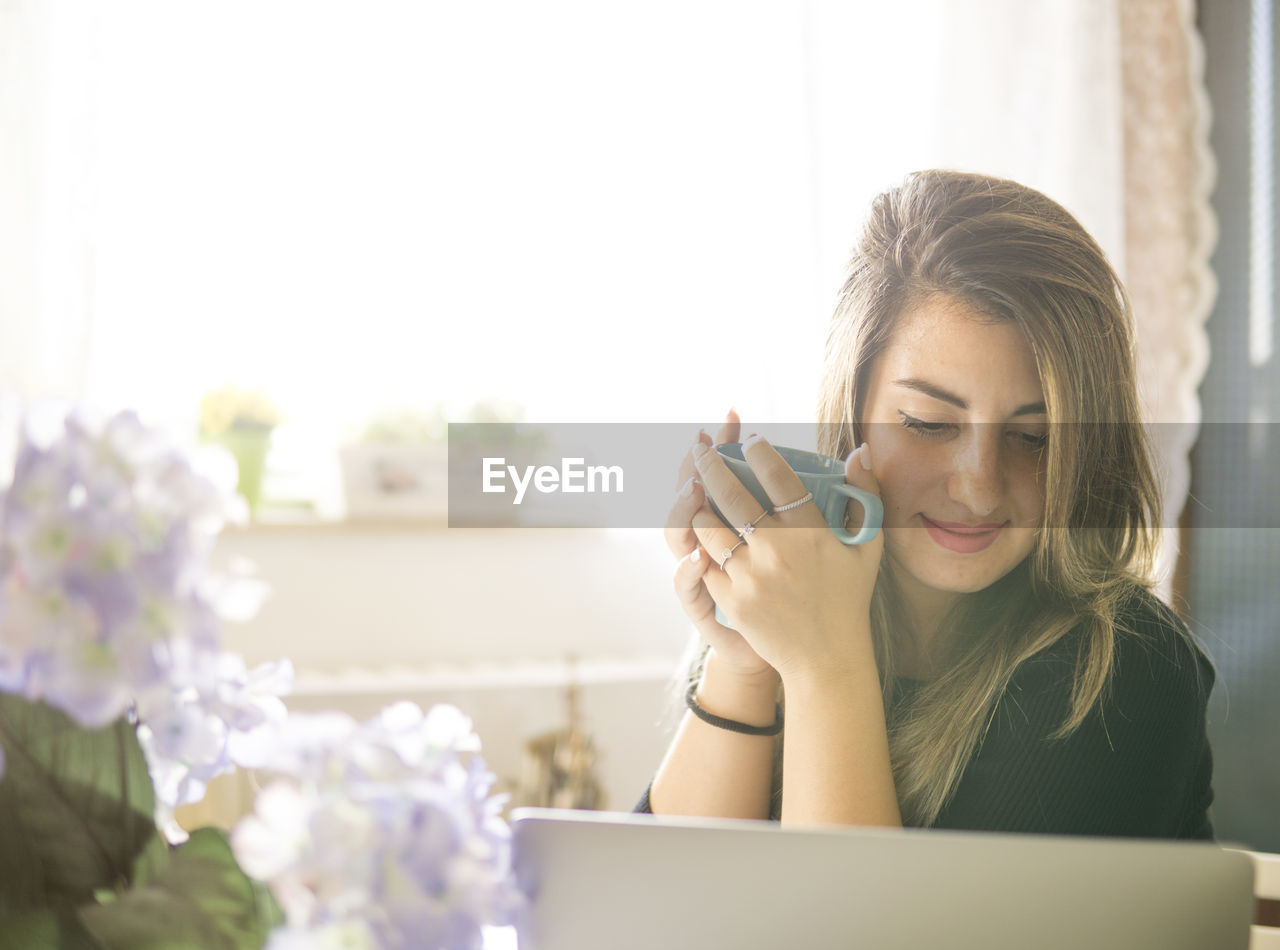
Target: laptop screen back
{"type": "Point", "coordinates": [635, 881]}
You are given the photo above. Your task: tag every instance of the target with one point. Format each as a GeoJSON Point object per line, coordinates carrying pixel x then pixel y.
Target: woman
{"type": "Point", "coordinates": [994, 660]}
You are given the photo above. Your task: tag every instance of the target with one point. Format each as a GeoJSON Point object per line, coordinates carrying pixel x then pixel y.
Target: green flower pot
{"type": "Point", "coordinates": [249, 447]}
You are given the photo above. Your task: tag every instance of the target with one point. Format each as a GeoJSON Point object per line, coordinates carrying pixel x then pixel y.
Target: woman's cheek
{"type": "Point", "coordinates": [1029, 491]}
{"type": "Point", "coordinates": [903, 477]}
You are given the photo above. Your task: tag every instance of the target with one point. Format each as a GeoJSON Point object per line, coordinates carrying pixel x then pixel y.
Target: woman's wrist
{"type": "Point", "coordinates": [745, 697]}
{"type": "Point", "coordinates": [856, 664]}
{"type": "Point", "coordinates": [732, 725]}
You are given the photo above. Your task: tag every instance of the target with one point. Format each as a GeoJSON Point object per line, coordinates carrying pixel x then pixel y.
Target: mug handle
{"type": "Point", "coordinates": [872, 513]}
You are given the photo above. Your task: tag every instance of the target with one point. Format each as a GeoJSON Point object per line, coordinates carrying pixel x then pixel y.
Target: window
{"type": "Point", "coordinates": [598, 211]}
{"type": "Point", "coordinates": [1234, 544]}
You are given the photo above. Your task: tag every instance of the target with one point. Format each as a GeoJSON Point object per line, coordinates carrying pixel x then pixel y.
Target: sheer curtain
{"type": "Point", "coordinates": [636, 214]}
{"type": "Point", "coordinates": [46, 197]}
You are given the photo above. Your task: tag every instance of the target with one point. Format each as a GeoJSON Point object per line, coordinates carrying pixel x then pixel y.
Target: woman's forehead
{"type": "Point", "coordinates": [942, 344]}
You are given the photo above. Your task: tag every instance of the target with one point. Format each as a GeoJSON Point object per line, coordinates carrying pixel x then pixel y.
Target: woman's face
{"type": "Point", "coordinates": [956, 421]}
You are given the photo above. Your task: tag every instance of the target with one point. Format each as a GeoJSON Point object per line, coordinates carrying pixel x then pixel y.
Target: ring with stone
{"type": "Point", "coordinates": [728, 552]}
{"type": "Point", "coordinates": [750, 526]}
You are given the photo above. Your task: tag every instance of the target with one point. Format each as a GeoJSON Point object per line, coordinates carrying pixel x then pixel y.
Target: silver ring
{"type": "Point", "coordinates": [750, 526]}
{"type": "Point", "coordinates": [808, 497]}
{"type": "Point", "coordinates": [728, 552]}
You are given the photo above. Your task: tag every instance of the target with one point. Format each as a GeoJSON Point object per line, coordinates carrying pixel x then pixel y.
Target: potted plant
{"type": "Point", "coordinates": [117, 704]}
{"type": "Point", "coordinates": [396, 468]}
{"type": "Point", "coordinates": [241, 421]}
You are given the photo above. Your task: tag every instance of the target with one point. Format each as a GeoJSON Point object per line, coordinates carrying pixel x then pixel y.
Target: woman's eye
{"type": "Point", "coordinates": [1032, 441]}
{"type": "Point", "coordinates": [926, 430]}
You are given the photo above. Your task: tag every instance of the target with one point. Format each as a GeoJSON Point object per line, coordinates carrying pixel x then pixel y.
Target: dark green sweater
{"type": "Point", "coordinates": [1139, 765]}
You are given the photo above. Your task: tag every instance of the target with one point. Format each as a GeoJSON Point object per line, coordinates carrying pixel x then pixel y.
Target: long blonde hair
{"type": "Point", "coordinates": [1015, 255]}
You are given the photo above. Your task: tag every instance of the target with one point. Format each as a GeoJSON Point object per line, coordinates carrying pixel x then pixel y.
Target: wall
{"type": "Point", "coordinates": [485, 619]}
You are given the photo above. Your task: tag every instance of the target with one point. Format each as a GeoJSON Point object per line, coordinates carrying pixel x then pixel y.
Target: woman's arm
{"type": "Point", "coordinates": [836, 767]}
{"type": "Point", "coordinates": [713, 771]}
{"type": "Point", "coordinates": [708, 770]}
{"type": "Point", "coordinates": [801, 600]}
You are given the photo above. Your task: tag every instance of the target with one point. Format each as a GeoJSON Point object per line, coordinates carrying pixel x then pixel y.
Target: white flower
{"type": "Point", "coordinates": [270, 841]}
{"type": "Point", "coordinates": [352, 934]}
{"type": "Point", "coordinates": [389, 822]}
{"type": "Point", "coordinates": [108, 606]}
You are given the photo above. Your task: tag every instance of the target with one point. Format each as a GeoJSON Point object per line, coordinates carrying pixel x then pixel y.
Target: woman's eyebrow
{"type": "Point", "coordinates": [937, 392]}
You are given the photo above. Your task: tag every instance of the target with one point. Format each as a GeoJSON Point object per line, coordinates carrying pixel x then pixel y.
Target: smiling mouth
{"type": "Point", "coordinates": [962, 538]}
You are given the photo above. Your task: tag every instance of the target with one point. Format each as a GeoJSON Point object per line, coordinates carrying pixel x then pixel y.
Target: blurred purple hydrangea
{"type": "Point", "coordinates": [107, 604]}
{"type": "Point", "coordinates": [382, 834]}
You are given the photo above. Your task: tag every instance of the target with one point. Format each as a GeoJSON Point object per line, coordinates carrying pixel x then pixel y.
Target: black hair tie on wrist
{"type": "Point", "coordinates": [711, 719]}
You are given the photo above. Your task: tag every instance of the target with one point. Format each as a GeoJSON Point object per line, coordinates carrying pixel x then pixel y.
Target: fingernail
{"type": "Point", "coordinates": [687, 488]}
{"type": "Point", "coordinates": [865, 456]}
{"type": "Point", "coordinates": [695, 555]}
{"type": "Point", "coordinates": [751, 440]}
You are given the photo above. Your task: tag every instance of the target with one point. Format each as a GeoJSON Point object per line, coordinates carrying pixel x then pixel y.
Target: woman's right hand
{"type": "Point", "coordinates": [730, 647]}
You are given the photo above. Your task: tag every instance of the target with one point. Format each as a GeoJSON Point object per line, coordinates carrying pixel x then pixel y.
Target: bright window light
{"type": "Point", "coordinates": [597, 211]}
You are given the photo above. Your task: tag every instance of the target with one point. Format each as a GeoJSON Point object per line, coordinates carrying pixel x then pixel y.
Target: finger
{"type": "Point", "coordinates": [686, 464]}
{"type": "Point", "coordinates": [737, 504]}
{"type": "Point", "coordinates": [859, 472]}
{"type": "Point", "coordinates": [728, 432]}
{"type": "Point", "coordinates": [780, 481]}
{"type": "Point", "coordinates": [695, 600]}
{"type": "Point", "coordinates": [715, 538]}
{"type": "Point", "coordinates": [678, 531]}
{"type": "Point", "coordinates": [732, 428]}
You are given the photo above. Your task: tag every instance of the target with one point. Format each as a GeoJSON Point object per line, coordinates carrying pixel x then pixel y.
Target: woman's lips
{"type": "Point", "coordinates": [962, 538]}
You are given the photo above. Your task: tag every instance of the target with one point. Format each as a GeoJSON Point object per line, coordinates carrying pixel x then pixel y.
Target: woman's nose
{"type": "Point", "coordinates": [977, 479]}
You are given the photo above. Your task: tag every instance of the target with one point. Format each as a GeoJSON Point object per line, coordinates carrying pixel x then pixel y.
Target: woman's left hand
{"type": "Point", "coordinates": [798, 596]}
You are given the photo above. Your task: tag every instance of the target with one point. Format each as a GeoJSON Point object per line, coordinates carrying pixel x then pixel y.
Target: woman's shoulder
{"type": "Point", "coordinates": [1152, 651]}
{"type": "Point", "coordinates": [1154, 645]}
{"type": "Point", "coordinates": [1138, 762]}
{"type": "Point", "coordinates": [1145, 614]}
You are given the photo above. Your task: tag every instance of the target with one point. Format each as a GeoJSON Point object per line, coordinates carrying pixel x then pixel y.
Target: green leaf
{"type": "Point", "coordinates": [76, 806]}
{"type": "Point", "coordinates": [45, 930]}
{"type": "Point", "coordinates": [151, 860]}
{"type": "Point", "coordinates": [198, 899]}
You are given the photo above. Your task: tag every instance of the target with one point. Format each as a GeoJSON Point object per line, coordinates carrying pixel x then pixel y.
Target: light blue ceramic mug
{"type": "Point", "coordinates": [820, 474]}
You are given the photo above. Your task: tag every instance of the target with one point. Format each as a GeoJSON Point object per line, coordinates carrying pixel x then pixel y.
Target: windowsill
{"type": "Point", "coordinates": [284, 521]}
{"type": "Point", "coordinates": [511, 674]}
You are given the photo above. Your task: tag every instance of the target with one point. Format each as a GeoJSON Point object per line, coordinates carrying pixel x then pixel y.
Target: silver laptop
{"type": "Point", "coordinates": [606, 881]}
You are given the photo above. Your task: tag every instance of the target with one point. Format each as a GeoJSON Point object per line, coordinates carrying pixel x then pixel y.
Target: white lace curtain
{"type": "Point", "coordinates": [1097, 102]}
{"type": "Point", "coordinates": [1170, 229]}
